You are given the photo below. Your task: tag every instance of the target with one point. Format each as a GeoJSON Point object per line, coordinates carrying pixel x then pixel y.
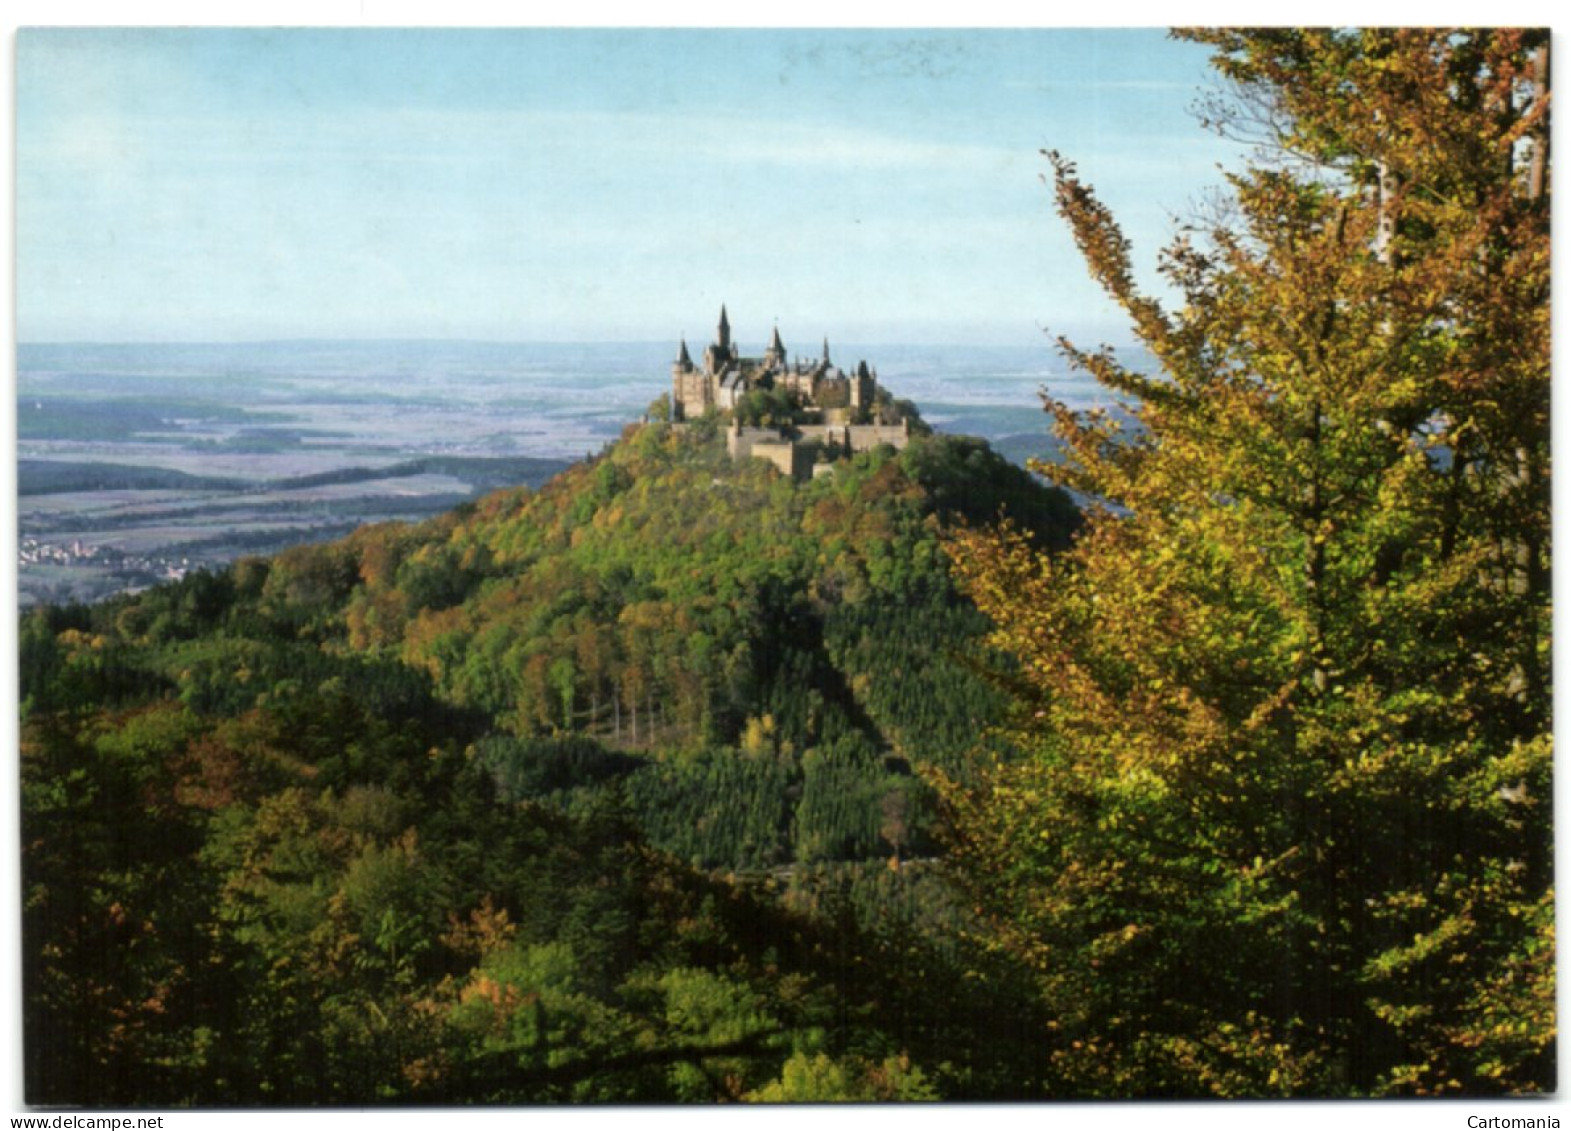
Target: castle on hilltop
{"type": "Point", "coordinates": [726, 376]}
{"type": "Point", "coordinates": [836, 412]}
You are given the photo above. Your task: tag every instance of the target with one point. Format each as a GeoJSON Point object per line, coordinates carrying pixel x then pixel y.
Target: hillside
{"type": "Point", "coordinates": [608, 791]}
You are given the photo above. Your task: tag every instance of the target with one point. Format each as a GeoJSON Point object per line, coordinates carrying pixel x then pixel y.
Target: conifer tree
{"type": "Point", "coordinates": [1281, 824]}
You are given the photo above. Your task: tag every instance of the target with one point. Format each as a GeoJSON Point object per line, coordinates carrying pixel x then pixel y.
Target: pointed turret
{"type": "Point", "coordinates": [775, 355]}
{"type": "Point", "coordinates": [684, 362]}
{"type": "Point", "coordinates": [723, 334]}
{"type": "Point", "coordinates": [826, 351]}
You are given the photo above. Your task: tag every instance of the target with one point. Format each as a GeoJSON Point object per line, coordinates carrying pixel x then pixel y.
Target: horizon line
{"type": "Point", "coordinates": [1046, 335]}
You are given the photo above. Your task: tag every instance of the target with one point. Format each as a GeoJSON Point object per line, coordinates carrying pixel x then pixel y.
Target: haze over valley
{"type": "Point", "coordinates": [140, 462]}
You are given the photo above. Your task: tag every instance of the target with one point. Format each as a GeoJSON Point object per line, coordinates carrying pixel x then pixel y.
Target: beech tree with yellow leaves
{"type": "Point", "coordinates": [1280, 821]}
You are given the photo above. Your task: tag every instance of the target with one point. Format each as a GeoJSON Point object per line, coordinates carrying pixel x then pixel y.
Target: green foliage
{"type": "Point", "coordinates": [768, 408]}
{"type": "Point", "coordinates": [820, 1079]}
{"type": "Point", "coordinates": [1283, 827]}
{"type": "Point", "coordinates": [535, 767]}
{"type": "Point", "coordinates": [505, 806]}
{"type": "Point", "coordinates": [842, 793]}
{"type": "Point", "coordinates": [718, 809]}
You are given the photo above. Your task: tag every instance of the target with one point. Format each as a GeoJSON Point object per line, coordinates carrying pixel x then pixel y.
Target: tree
{"type": "Point", "coordinates": [1280, 824]}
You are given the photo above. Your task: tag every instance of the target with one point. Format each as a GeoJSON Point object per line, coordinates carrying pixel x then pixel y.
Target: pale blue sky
{"type": "Point", "coordinates": [565, 185]}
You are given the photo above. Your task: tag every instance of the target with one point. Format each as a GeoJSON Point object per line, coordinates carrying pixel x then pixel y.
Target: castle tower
{"type": "Point", "coordinates": [863, 387]}
{"type": "Point", "coordinates": [775, 355]}
{"type": "Point", "coordinates": [689, 388]}
{"type": "Point", "coordinates": [722, 355]}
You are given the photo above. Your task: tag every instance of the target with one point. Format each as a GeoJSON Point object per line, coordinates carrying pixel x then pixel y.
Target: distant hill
{"type": "Point", "coordinates": [459, 799]}
{"type": "Point", "coordinates": [50, 477]}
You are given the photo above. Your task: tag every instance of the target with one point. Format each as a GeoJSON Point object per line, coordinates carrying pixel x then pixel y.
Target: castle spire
{"type": "Point", "coordinates": [683, 360]}
{"type": "Point", "coordinates": [723, 335]}
{"type": "Point", "coordinates": [826, 350]}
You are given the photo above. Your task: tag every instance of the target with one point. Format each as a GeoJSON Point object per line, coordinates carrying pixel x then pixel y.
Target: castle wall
{"type": "Point", "coordinates": [866, 437]}
{"type": "Point", "coordinates": [834, 392]}
{"type": "Point", "coordinates": [788, 457]}
{"type": "Point", "coordinates": [692, 393]}
{"type": "Point", "coordinates": [729, 389]}
{"type": "Point", "coordinates": [801, 383]}
{"type": "Point", "coordinates": [740, 442]}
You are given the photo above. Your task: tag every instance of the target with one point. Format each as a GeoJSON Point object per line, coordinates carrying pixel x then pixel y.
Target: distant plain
{"type": "Point", "coordinates": [139, 462]}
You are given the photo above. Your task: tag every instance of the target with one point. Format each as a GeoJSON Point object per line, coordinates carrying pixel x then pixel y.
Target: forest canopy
{"type": "Point", "coordinates": [605, 792]}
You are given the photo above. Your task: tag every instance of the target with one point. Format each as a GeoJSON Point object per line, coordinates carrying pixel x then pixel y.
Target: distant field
{"type": "Point", "coordinates": [93, 529]}
{"type": "Point", "coordinates": [61, 477]}
{"type": "Point", "coordinates": [52, 477]}
{"type": "Point", "coordinates": [121, 418]}
{"type": "Point", "coordinates": [135, 461]}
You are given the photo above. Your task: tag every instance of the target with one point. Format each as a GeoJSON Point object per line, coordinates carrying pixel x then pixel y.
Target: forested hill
{"type": "Point", "coordinates": [610, 791]}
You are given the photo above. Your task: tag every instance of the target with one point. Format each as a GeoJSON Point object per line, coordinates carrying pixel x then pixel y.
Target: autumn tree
{"type": "Point", "coordinates": [1281, 823]}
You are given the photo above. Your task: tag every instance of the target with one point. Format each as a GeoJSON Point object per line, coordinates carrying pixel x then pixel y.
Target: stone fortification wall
{"type": "Point", "coordinates": [789, 457]}
{"type": "Point", "coordinates": [866, 437]}
{"type": "Point", "coordinates": [692, 393]}
{"type": "Point", "coordinates": [740, 442]}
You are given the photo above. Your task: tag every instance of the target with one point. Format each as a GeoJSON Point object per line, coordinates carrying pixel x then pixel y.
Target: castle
{"type": "Point", "coordinates": [838, 413]}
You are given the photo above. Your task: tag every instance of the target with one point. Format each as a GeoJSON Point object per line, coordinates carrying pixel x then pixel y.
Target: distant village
{"type": "Point", "coordinates": [121, 572]}
{"type": "Point", "coordinates": [830, 413]}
